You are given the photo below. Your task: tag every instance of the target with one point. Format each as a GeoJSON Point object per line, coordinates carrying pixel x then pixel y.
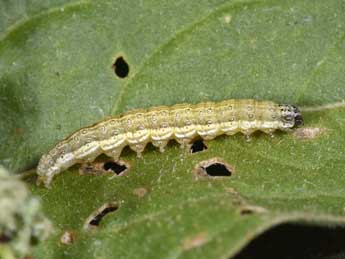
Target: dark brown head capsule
{"type": "Point", "coordinates": [291, 116]}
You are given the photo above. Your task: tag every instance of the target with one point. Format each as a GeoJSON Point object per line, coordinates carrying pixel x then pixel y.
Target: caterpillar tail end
{"type": "Point", "coordinates": [43, 180]}
{"type": "Point", "coordinates": [46, 171]}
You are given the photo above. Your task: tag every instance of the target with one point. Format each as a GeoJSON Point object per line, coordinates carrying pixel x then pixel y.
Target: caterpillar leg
{"type": "Point", "coordinates": [160, 144]}
{"type": "Point", "coordinates": [270, 132]}
{"type": "Point", "coordinates": [114, 154]}
{"type": "Point", "coordinates": [247, 133]}
{"type": "Point", "coordinates": [138, 148]}
{"type": "Point", "coordinates": [184, 142]}
{"type": "Point", "coordinates": [248, 137]}
{"type": "Point", "coordinates": [43, 180]}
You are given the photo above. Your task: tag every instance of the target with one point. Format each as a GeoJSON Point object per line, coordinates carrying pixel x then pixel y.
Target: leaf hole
{"type": "Point", "coordinates": [117, 168]}
{"type": "Point", "coordinates": [121, 67]}
{"type": "Point", "coordinates": [198, 146]}
{"type": "Point", "coordinates": [214, 167]}
{"type": "Point", "coordinates": [217, 169]}
{"type": "Point", "coordinates": [95, 218]}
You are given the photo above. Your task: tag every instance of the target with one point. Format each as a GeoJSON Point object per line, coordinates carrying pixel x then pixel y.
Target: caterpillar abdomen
{"type": "Point", "coordinates": [158, 125]}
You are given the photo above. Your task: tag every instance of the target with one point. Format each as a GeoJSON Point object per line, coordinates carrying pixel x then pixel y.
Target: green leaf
{"type": "Point", "coordinates": [56, 76]}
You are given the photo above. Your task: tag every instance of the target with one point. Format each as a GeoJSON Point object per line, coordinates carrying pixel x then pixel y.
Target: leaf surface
{"type": "Point", "coordinates": [56, 76]}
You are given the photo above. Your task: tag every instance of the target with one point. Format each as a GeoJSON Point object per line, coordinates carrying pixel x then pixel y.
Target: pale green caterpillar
{"type": "Point", "coordinates": [158, 125]}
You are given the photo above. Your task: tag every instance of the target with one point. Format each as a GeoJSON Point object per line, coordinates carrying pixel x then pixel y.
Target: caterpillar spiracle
{"type": "Point", "coordinates": [158, 125]}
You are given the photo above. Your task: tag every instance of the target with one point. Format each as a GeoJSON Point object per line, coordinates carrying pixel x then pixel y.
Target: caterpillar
{"type": "Point", "coordinates": [158, 125]}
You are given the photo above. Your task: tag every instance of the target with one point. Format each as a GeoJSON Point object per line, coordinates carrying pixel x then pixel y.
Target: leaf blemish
{"type": "Point", "coordinates": [95, 218]}
{"type": "Point", "coordinates": [67, 238]}
{"type": "Point", "coordinates": [140, 192]}
{"type": "Point", "coordinates": [214, 167]}
{"type": "Point", "coordinates": [248, 210]}
{"type": "Point", "coordinates": [227, 19]}
{"type": "Point", "coordinates": [195, 241]}
{"type": "Point", "coordinates": [309, 133]}
{"type": "Point", "coordinates": [230, 190]}
{"type": "Point", "coordinates": [19, 131]}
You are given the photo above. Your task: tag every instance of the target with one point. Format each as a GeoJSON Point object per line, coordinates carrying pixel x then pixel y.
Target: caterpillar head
{"type": "Point", "coordinates": [291, 116]}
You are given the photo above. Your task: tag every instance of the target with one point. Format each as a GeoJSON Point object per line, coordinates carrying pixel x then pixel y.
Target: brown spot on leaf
{"type": "Point", "coordinates": [194, 241]}
{"type": "Point", "coordinates": [249, 209]}
{"type": "Point", "coordinates": [67, 238]}
{"type": "Point", "coordinates": [230, 190]}
{"type": "Point", "coordinates": [19, 131]}
{"type": "Point", "coordinates": [308, 133]}
{"type": "Point", "coordinates": [140, 192]}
